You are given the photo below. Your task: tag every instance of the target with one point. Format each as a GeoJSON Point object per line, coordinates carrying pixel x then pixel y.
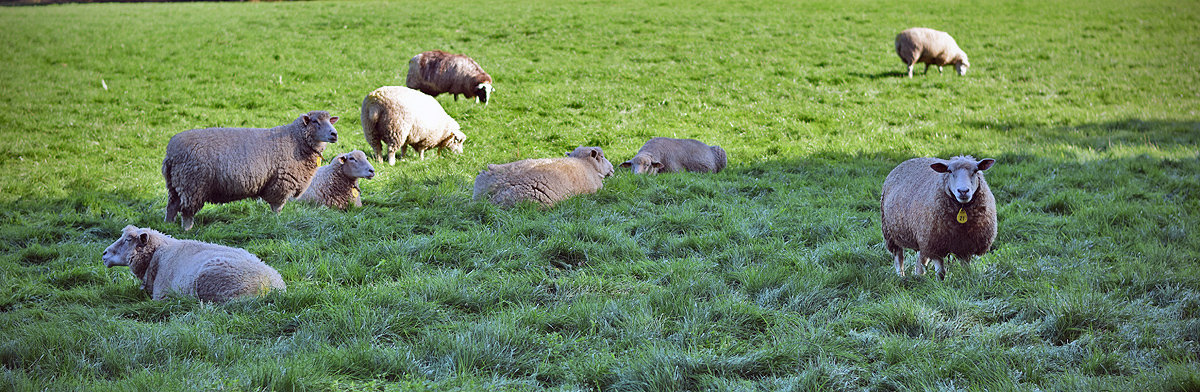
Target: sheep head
{"type": "Point", "coordinates": [454, 140]}
{"type": "Point", "coordinates": [320, 125]}
{"type": "Point", "coordinates": [483, 92]}
{"type": "Point", "coordinates": [354, 164]}
{"type": "Point", "coordinates": [595, 156]}
{"type": "Point", "coordinates": [961, 64]}
{"type": "Point", "coordinates": [643, 164]}
{"type": "Point", "coordinates": [961, 176]}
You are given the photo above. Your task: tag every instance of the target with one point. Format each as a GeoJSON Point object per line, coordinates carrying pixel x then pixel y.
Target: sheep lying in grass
{"type": "Point", "coordinates": [220, 165]}
{"type": "Point", "coordinates": [336, 184]}
{"type": "Point", "coordinates": [400, 116]}
{"type": "Point", "coordinates": [544, 181]}
{"type": "Point", "coordinates": [206, 271]}
{"type": "Point", "coordinates": [938, 207]}
{"type": "Point", "coordinates": [435, 72]}
{"type": "Point", "coordinates": [666, 155]}
{"type": "Point", "coordinates": [932, 47]}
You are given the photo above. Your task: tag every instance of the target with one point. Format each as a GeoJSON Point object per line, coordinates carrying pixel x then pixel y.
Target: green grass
{"type": "Point", "coordinates": [770, 275]}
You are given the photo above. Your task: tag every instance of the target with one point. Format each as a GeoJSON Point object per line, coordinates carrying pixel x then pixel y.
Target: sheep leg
{"type": "Point", "coordinates": [392, 155]}
{"type": "Point", "coordinates": [941, 270]}
{"type": "Point", "coordinates": [919, 268]}
{"type": "Point", "coordinates": [403, 150]}
{"type": "Point", "coordinates": [910, 67]}
{"type": "Point", "coordinates": [927, 68]}
{"type": "Point", "coordinates": [421, 153]}
{"type": "Point", "coordinates": [172, 205]}
{"type": "Point", "coordinates": [898, 262]}
{"type": "Point", "coordinates": [377, 145]}
{"type": "Point", "coordinates": [939, 70]}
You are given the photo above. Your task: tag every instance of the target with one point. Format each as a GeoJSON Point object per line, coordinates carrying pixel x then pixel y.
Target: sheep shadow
{"type": "Point", "coordinates": [880, 75]}
{"type": "Point", "coordinates": [1102, 135]}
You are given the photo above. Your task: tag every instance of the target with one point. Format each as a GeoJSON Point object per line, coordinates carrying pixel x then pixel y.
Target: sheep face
{"type": "Point", "coordinates": [355, 165]}
{"type": "Point", "coordinates": [120, 252]}
{"type": "Point", "coordinates": [484, 92]}
{"type": "Point", "coordinates": [321, 126]}
{"type": "Point", "coordinates": [595, 156]}
{"type": "Point", "coordinates": [961, 175]}
{"type": "Point", "coordinates": [961, 67]}
{"type": "Point", "coordinates": [643, 164]}
{"type": "Point", "coordinates": [454, 141]}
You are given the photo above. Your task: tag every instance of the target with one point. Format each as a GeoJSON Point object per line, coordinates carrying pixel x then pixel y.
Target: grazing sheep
{"type": "Point", "coordinates": [435, 72]}
{"type": "Point", "coordinates": [206, 271]}
{"type": "Point", "coordinates": [220, 165]}
{"type": "Point", "coordinates": [544, 181]}
{"type": "Point", "coordinates": [938, 207]}
{"type": "Point", "coordinates": [400, 116]}
{"type": "Point", "coordinates": [336, 184]}
{"type": "Point", "coordinates": [666, 155]}
{"type": "Point", "coordinates": [932, 47]}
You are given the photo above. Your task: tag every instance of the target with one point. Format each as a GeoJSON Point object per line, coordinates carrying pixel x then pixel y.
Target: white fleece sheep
{"type": "Point", "coordinates": [400, 116]}
{"type": "Point", "coordinates": [667, 155]}
{"type": "Point", "coordinates": [938, 207]}
{"type": "Point", "coordinates": [336, 184]}
{"type": "Point", "coordinates": [544, 181]}
{"type": "Point", "coordinates": [220, 165]}
{"type": "Point", "coordinates": [197, 269]}
{"type": "Point", "coordinates": [435, 72]}
{"type": "Point", "coordinates": [932, 47]}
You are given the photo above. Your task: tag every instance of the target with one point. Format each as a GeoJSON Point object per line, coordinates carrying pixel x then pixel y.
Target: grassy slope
{"type": "Point", "coordinates": [770, 275]}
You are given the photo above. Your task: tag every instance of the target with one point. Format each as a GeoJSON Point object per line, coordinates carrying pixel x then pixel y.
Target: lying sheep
{"type": "Point", "coordinates": [220, 165]}
{"type": "Point", "coordinates": [206, 271]}
{"type": "Point", "coordinates": [932, 47]}
{"type": "Point", "coordinates": [544, 181]}
{"type": "Point", "coordinates": [666, 155]}
{"type": "Point", "coordinates": [938, 207]}
{"type": "Point", "coordinates": [435, 72]}
{"type": "Point", "coordinates": [336, 184]}
{"type": "Point", "coordinates": [400, 116]}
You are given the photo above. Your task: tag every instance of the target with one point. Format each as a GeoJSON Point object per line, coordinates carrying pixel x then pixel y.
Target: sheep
{"type": "Point", "coordinates": [220, 165]}
{"type": "Point", "coordinates": [932, 47]}
{"type": "Point", "coordinates": [666, 155]}
{"type": "Point", "coordinates": [197, 269]}
{"type": "Point", "coordinates": [938, 207]}
{"type": "Point", "coordinates": [435, 72]}
{"type": "Point", "coordinates": [336, 184]}
{"type": "Point", "coordinates": [544, 181]}
{"type": "Point", "coordinates": [400, 116]}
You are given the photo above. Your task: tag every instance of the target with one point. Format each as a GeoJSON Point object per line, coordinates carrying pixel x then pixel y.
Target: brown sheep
{"type": "Point", "coordinates": [436, 72]}
{"type": "Point", "coordinates": [220, 165]}
{"type": "Point", "coordinates": [938, 207]}
{"type": "Point", "coordinates": [666, 155]}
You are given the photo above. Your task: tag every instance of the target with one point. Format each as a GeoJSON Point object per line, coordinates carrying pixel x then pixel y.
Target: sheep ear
{"type": "Point", "coordinates": [627, 164]}
{"type": "Point", "coordinates": [595, 153]}
{"type": "Point", "coordinates": [333, 120]}
{"type": "Point", "coordinates": [306, 119]}
{"type": "Point", "coordinates": [656, 164]}
{"type": "Point", "coordinates": [142, 239]}
{"type": "Point", "coordinates": [986, 164]}
{"type": "Point", "coordinates": [341, 158]}
{"type": "Point", "coordinates": [940, 167]}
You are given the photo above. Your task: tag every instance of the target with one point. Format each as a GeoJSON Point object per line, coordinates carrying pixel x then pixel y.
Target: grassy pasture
{"type": "Point", "coordinates": [768, 276]}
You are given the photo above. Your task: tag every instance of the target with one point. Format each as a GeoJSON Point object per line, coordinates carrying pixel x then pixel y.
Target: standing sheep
{"type": "Point", "coordinates": [544, 181]}
{"type": "Point", "coordinates": [206, 271]}
{"type": "Point", "coordinates": [400, 116]}
{"type": "Point", "coordinates": [666, 155]}
{"type": "Point", "coordinates": [938, 207]}
{"type": "Point", "coordinates": [336, 184]}
{"type": "Point", "coordinates": [435, 72]}
{"type": "Point", "coordinates": [220, 165]}
{"type": "Point", "coordinates": [932, 47]}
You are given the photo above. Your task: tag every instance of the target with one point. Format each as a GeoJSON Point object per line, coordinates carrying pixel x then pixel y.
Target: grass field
{"type": "Point", "coordinates": [770, 275]}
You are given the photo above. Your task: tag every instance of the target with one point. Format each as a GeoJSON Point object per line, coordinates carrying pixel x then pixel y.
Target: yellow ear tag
{"type": "Point", "coordinates": [962, 216]}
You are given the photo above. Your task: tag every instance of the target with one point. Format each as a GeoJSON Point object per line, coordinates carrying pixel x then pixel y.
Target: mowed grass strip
{"type": "Point", "coordinates": [770, 275]}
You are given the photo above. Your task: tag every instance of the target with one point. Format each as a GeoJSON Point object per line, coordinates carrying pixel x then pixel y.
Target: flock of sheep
{"type": "Point", "coordinates": [938, 207]}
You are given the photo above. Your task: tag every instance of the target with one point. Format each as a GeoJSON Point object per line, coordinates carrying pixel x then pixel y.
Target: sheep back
{"type": "Point", "coordinates": [221, 165]}
{"type": "Point", "coordinates": [436, 72]}
{"type": "Point", "coordinates": [918, 213]}
{"type": "Point", "coordinates": [400, 117]}
{"type": "Point", "coordinates": [202, 270]}
{"type": "Point", "coordinates": [667, 155]}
